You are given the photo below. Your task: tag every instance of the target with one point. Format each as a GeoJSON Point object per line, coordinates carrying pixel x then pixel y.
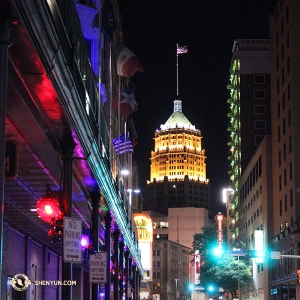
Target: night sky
{"type": "Point", "coordinates": [208, 28]}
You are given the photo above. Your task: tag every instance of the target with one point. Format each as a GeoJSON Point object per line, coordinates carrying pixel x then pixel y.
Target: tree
{"type": "Point", "coordinates": [222, 270]}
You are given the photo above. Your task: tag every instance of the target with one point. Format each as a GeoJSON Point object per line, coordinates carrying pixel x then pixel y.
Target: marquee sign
{"type": "Point", "coordinates": [144, 227]}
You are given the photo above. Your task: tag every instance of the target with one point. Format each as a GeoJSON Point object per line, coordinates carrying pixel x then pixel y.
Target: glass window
{"type": "Point", "coordinates": [259, 79]}
{"type": "Point", "coordinates": [259, 124]}
{"type": "Point", "coordinates": [259, 94]}
{"type": "Point", "coordinates": [259, 109]}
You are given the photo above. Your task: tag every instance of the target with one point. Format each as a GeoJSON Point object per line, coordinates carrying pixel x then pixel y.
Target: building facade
{"type": "Point", "coordinates": [285, 70]}
{"type": "Point", "coordinates": [55, 132]}
{"type": "Point", "coordinates": [175, 232]}
{"type": "Point", "coordinates": [256, 218]}
{"type": "Point", "coordinates": [178, 168]}
{"type": "Point", "coordinates": [276, 278]}
{"type": "Point", "coordinates": [249, 115]}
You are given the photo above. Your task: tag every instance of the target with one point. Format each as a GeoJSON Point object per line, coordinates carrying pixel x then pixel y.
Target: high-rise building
{"type": "Point", "coordinates": [249, 113]}
{"type": "Point", "coordinates": [178, 168]}
{"type": "Point", "coordinates": [285, 105]}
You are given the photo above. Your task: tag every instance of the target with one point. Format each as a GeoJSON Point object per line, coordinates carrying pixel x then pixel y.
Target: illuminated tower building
{"type": "Point", "coordinates": [178, 169]}
{"type": "Point", "coordinates": [249, 116]}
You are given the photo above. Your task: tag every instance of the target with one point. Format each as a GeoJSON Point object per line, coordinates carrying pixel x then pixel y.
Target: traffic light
{"type": "Point", "coordinates": [256, 253]}
{"type": "Point", "coordinates": [211, 289]}
{"type": "Point", "coordinates": [298, 275]}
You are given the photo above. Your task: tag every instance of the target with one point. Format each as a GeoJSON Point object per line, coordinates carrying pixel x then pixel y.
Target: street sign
{"type": "Point", "coordinates": [98, 263]}
{"type": "Point", "coordinates": [236, 252]}
{"type": "Point", "coordinates": [275, 254]}
{"type": "Point", "coordinates": [72, 231]}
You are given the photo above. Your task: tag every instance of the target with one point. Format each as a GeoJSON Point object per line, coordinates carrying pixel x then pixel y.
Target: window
{"type": "Point", "coordinates": [288, 66]}
{"type": "Point", "coordinates": [279, 182]}
{"type": "Point", "coordinates": [278, 134]}
{"type": "Point", "coordinates": [287, 15]}
{"type": "Point", "coordinates": [291, 170]}
{"type": "Point", "coordinates": [283, 101]}
{"type": "Point", "coordinates": [280, 208]}
{"type": "Point", "coordinates": [284, 177]}
{"type": "Point", "coordinates": [291, 198]}
{"type": "Point", "coordinates": [279, 158]}
{"type": "Point", "coordinates": [285, 203]}
{"type": "Point", "coordinates": [259, 124]}
{"type": "Point", "coordinates": [259, 109]}
{"type": "Point", "coordinates": [277, 62]}
{"type": "Point", "coordinates": [289, 91]}
{"type": "Point", "coordinates": [259, 94]}
{"type": "Point", "coordinates": [289, 118]}
{"type": "Point", "coordinates": [278, 110]}
{"type": "Point", "coordinates": [283, 127]}
{"type": "Point", "coordinates": [284, 151]}
{"type": "Point", "coordinates": [282, 76]}
{"type": "Point", "coordinates": [156, 264]}
{"type": "Point", "coordinates": [259, 79]}
{"type": "Point", "coordinates": [278, 86]}
{"type": "Point", "coordinates": [287, 40]}
{"type": "Point", "coordinates": [290, 144]}
{"type": "Point", "coordinates": [282, 51]}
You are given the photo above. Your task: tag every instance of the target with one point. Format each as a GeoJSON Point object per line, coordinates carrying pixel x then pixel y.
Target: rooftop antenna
{"type": "Point", "coordinates": [180, 50]}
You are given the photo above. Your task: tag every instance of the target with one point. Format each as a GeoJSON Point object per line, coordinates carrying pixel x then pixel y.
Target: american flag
{"type": "Point", "coordinates": [182, 49]}
{"type": "Point", "coordinates": [122, 144]}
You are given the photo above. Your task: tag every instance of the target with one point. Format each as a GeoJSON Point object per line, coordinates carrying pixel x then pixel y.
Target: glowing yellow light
{"type": "Point", "coordinates": [48, 209]}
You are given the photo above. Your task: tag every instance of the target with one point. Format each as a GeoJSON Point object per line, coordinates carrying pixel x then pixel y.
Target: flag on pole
{"type": "Point", "coordinates": [108, 24]}
{"type": "Point", "coordinates": [127, 63]}
{"type": "Point", "coordinates": [182, 49]}
{"type": "Point", "coordinates": [132, 132]}
{"type": "Point", "coordinates": [128, 103]}
{"type": "Point", "coordinates": [122, 144]}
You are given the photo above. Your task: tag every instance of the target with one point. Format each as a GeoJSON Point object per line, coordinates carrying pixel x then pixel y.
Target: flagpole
{"type": "Point", "coordinates": [119, 133]}
{"type": "Point", "coordinates": [111, 157]}
{"type": "Point", "coordinates": [177, 70]}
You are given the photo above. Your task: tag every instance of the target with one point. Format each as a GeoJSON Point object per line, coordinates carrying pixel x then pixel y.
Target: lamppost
{"type": "Point", "coordinates": [176, 284]}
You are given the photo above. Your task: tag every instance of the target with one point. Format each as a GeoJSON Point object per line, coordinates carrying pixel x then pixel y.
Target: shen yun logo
{"type": "Point", "coordinates": [20, 282]}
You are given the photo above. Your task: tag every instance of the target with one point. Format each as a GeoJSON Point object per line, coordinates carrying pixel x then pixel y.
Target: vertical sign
{"type": "Point", "coordinates": [72, 240]}
{"type": "Point", "coordinates": [220, 219]}
{"type": "Point", "coordinates": [197, 267]}
{"type": "Point", "coordinates": [98, 263]}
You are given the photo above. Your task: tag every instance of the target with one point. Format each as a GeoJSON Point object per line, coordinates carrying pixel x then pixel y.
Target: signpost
{"type": "Point", "coordinates": [72, 231]}
{"type": "Point", "coordinates": [98, 263]}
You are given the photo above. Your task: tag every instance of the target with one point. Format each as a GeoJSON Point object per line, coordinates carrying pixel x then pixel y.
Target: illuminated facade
{"type": "Point", "coordinates": [178, 169]}
{"type": "Point", "coordinates": [249, 115]}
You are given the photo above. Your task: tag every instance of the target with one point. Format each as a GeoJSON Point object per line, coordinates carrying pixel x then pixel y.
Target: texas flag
{"type": "Point", "coordinates": [127, 63]}
{"type": "Point", "coordinates": [128, 104]}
